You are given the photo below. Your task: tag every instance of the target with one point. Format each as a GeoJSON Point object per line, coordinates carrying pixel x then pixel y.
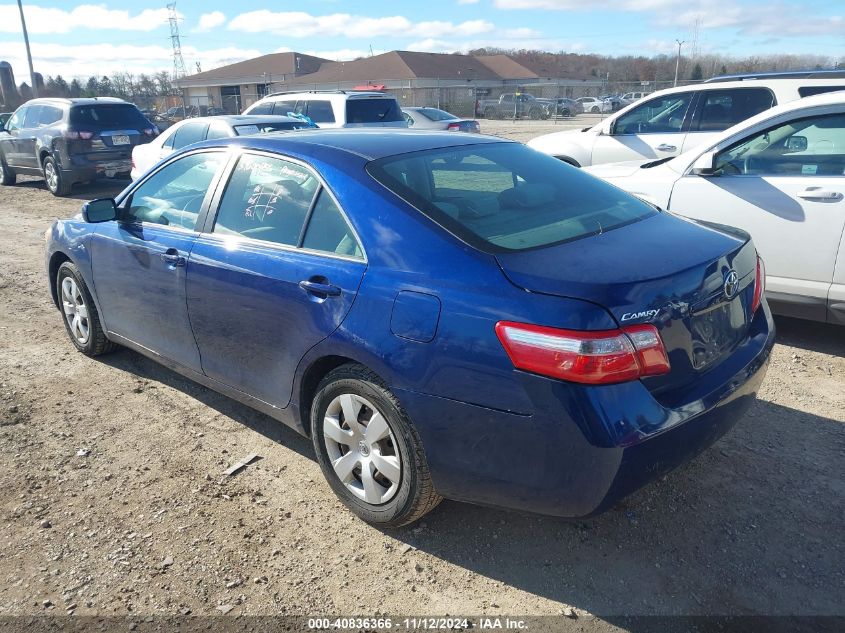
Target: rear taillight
{"type": "Point", "coordinates": [75, 135]}
{"type": "Point", "coordinates": [454, 127]}
{"type": "Point", "coordinates": [151, 131]}
{"type": "Point", "coordinates": [759, 285]}
{"type": "Point", "coordinates": [601, 357]}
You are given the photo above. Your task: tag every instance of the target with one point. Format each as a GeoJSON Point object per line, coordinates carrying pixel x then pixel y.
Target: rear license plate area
{"type": "Point", "coordinates": [716, 330]}
{"type": "Point", "coordinates": [120, 139]}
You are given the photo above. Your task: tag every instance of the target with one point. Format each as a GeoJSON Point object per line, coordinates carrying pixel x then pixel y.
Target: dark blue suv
{"type": "Point", "coordinates": [445, 315]}
{"type": "Point", "coordinates": [72, 140]}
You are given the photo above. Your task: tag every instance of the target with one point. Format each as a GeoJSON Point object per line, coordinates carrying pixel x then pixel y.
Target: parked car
{"type": "Point", "coordinates": [630, 97]}
{"type": "Point", "coordinates": [335, 108]}
{"type": "Point", "coordinates": [513, 105]}
{"type": "Point", "coordinates": [545, 359]}
{"type": "Point", "coordinates": [198, 129]}
{"type": "Point", "coordinates": [780, 176]}
{"type": "Point", "coordinates": [436, 119]}
{"type": "Point", "coordinates": [593, 105]}
{"type": "Point", "coordinates": [72, 140]}
{"type": "Point", "coordinates": [616, 102]}
{"type": "Point", "coordinates": [675, 120]}
{"type": "Point", "coordinates": [564, 106]}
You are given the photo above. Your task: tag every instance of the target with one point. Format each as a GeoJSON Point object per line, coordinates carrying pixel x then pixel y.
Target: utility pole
{"type": "Point", "coordinates": [678, 61]}
{"type": "Point", "coordinates": [28, 53]}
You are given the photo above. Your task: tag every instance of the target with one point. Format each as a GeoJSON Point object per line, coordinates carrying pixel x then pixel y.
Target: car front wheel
{"type": "Point", "coordinates": [368, 449]}
{"type": "Point", "coordinates": [7, 178]}
{"type": "Point", "coordinates": [80, 314]}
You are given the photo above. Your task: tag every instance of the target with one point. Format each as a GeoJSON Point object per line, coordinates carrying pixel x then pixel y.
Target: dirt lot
{"type": "Point", "coordinates": [113, 503]}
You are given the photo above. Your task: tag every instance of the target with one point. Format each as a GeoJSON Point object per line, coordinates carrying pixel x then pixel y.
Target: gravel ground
{"type": "Point", "coordinates": [114, 503]}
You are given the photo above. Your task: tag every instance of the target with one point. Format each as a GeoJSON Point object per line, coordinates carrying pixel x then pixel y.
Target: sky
{"type": "Point", "coordinates": [78, 40]}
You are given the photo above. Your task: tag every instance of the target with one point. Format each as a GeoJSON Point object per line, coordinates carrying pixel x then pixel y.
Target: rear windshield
{"type": "Point", "coordinates": [506, 197]}
{"type": "Point", "coordinates": [108, 115]}
{"type": "Point", "coordinates": [278, 126]}
{"type": "Point", "coordinates": [378, 110]}
{"type": "Point", "coordinates": [436, 115]}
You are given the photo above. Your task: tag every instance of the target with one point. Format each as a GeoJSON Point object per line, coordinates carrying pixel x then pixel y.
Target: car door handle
{"type": "Point", "coordinates": [665, 147]}
{"type": "Point", "coordinates": [171, 257]}
{"type": "Point", "coordinates": [819, 194]}
{"type": "Point", "coordinates": [319, 288]}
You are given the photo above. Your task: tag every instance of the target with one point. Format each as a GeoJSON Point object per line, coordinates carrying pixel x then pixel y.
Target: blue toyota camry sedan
{"type": "Point", "coordinates": [445, 315]}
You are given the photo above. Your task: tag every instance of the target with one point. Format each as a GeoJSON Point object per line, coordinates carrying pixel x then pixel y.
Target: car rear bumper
{"type": "Point", "coordinates": [78, 167]}
{"type": "Point", "coordinates": [583, 449]}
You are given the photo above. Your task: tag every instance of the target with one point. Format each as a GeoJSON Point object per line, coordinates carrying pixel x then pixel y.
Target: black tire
{"type": "Point", "coordinates": [566, 112]}
{"type": "Point", "coordinates": [57, 185]}
{"type": "Point", "coordinates": [415, 495]}
{"type": "Point", "coordinates": [97, 343]}
{"type": "Point", "coordinates": [7, 178]}
{"type": "Point", "coordinates": [595, 110]}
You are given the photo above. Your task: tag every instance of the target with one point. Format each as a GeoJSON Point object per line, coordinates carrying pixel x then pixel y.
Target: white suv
{"type": "Point", "coordinates": [335, 108]}
{"type": "Point", "coordinates": [672, 121]}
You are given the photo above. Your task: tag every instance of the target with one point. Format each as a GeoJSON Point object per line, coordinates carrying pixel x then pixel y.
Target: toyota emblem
{"type": "Point", "coordinates": [731, 284]}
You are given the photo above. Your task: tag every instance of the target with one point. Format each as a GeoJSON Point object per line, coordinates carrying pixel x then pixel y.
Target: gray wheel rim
{"type": "Point", "coordinates": [362, 449]}
{"type": "Point", "coordinates": [76, 312]}
{"type": "Point", "coordinates": [51, 176]}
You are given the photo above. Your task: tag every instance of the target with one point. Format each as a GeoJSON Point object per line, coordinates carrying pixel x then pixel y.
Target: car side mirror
{"type": "Point", "coordinates": [796, 143]}
{"type": "Point", "coordinates": [704, 165]}
{"type": "Point", "coordinates": [100, 210]}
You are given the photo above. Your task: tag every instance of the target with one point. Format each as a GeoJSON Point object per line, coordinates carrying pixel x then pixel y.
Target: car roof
{"type": "Point", "coordinates": [367, 143]}
{"type": "Point", "coordinates": [75, 101]}
{"type": "Point", "coordinates": [245, 119]}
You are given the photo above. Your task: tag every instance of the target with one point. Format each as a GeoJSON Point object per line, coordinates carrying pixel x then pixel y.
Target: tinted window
{"type": "Point", "coordinates": [263, 108]}
{"type": "Point", "coordinates": [378, 110]}
{"type": "Point", "coordinates": [809, 91]}
{"type": "Point", "coordinates": [108, 115]}
{"type": "Point", "coordinates": [720, 109]}
{"type": "Point", "coordinates": [320, 111]}
{"type": "Point", "coordinates": [283, 107]}
{"type": "Point", "coordinates": [433, 114]}
{"type": "Point", "coordinates": [49, 115]}
{"type": "Point", "coordinates": [505, 196]}
{"type": "Point", "coordinates": [189, 133]}
{"type": "Point", "coordinates": [658, 115]}
{"type": "Point", "coordinates": [266, 199]}
{"type": "Point", "coordinates": [33, 113]}
{"type": "Point", "coordinates": [173, 195]}
{"type": "Point", "coordinates": [814, 146]}
{"type": "Point", "coordinates": [328, 230]}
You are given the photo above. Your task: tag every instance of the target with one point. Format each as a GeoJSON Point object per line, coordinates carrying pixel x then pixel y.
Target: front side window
{"type": "Point", "coordinates": [720, 109]}
{"type": "Point", "coordinates": [173, 195]}
{"type": "Point", "coordinates": [188, 134]}
{"type": "Point", "coordinates": [266, 199]}
{"type": "Point", "coordinates": [813, 146]}
{"type": "Point", "coordinates": [506, 197]}
{"type": "Point", "coordinates": [376, 110]}
{"type": "Point", "coordinates": [16, 122]}
{"type": "Point", "coordinates": [284, 107]}
{"type": "Point", "coordinates": [656, 116]}
{"type": "Point", "coordinates": [262, 108]}
{"type": "Point", "coordinates": [32, 116]}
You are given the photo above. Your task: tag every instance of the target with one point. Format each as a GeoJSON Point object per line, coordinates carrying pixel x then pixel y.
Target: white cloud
{"type": "Point", "coordinates": [41, 20]}
{"type": "Point", "coordinates": [300, 25]}
{"type": "Point", "coordinates": [210, 21]}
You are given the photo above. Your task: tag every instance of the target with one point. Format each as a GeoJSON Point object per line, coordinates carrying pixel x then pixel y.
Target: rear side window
{"type": "Point", "coordinates": [50, 115]}
{"type": "Point", "coordinates": [720, 109]}
{"type": "Point", "coordinates": [503, 197]}
{"type": "Point", "coordinates": [189, 133]}
{"type": "Point", "coordinates": [328, 230]}
{"type": "Point", "coordinates": [266, 199]}
{"type": "Point", "coordinates": [378, 110]}
{"type": "Point", "coordinates": [320, 111]}
{"type": "Point", "coordinates": [112, 115]}
{"type": "Point", "coordinates": [217, 130]}
{"type": "Point", "coordinates": [33, 113]}
{"type": "Point", "coordinates": [809, 91]}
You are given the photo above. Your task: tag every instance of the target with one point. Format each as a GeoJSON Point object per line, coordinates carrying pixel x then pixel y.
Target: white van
{"type": "Point", "coordinates": [335, 108]}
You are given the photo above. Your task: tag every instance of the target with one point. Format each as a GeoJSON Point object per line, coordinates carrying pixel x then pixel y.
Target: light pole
{"type": "Point", "coordinates": [678, 60]}
{"type": "Point", "coordinates": [28, 53]}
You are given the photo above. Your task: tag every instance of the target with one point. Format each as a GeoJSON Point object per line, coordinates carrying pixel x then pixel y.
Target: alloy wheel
{"type": "Point", "coordinates": [362, 448]}
{"type": "Point", "coordinates": [76, 312]}
{"type": "Point", "coordinates": [51, 176]}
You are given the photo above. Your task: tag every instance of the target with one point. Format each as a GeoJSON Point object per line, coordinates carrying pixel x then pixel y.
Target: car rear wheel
{"type": "Point", "coordinates": [80, 315]}
{"type": "Point", "coordinates": [54, 179]}
{"type": "Point", "coordinates": [368, 449]}
{"type": "Point", "coordinates": [7, 178]}
{"type": "Point", "coordinates": [595, 110]}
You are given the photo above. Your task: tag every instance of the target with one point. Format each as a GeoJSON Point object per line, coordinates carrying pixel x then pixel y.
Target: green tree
{"type": "Point", "coordinates": [697, 73]}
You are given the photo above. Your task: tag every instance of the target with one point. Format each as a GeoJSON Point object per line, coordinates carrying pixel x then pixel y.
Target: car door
{"type": "Point", "coordinates": [717, 110]}
{"type": "Point", "coordinates": [786, 187]}
{"type": "Point", "coordinates": [9, 138]}
{"type": "Point", "coordinates": [27, 138]}
{"type": "Point", "coordinates": [139, 261]}
{"type": "Point", "coordinates": [262, 289]}
{"type": "Point", "coordinates": [655, 128]}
